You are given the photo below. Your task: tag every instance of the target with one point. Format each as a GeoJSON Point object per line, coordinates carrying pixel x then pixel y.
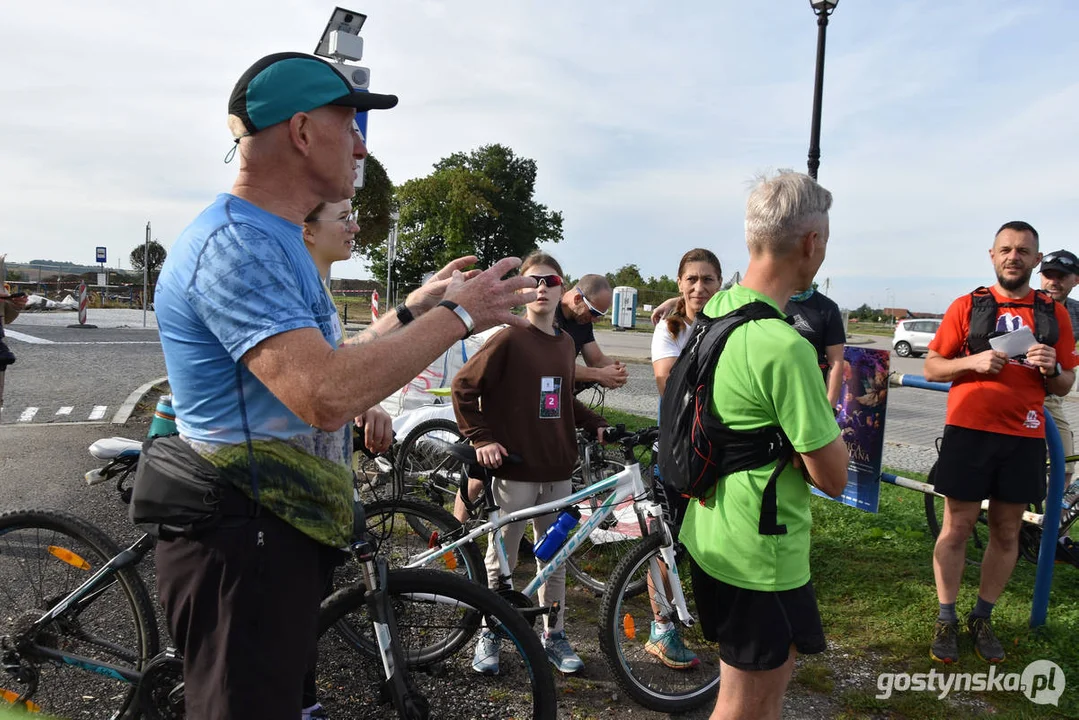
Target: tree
{"type": "Point", "coordinates": [629, 275]}
{"type": "Point", "coordinates": [373, 205]}
{"type": "Point", "coordinates": [480, 203]}
{"type": "Point", "coordinates": [155, 257]}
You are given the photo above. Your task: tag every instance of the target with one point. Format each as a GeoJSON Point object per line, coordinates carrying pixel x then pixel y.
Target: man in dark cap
{"type": "Point", "coordinates": [263, 396]}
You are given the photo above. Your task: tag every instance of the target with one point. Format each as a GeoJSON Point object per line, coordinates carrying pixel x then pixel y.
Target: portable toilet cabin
{"type": "Point", "coordinates": [624, 307]}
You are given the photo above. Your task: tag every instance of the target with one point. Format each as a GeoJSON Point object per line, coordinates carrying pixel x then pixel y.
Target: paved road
{"type": "Point", "coordinates": [67, 375]}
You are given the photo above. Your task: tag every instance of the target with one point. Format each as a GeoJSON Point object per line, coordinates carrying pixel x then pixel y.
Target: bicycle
{"type": "Point", "coordinates": [639, 673]}
{"type": "Point", "coordinates": [81, 637]}
{"type": "Point", "coordinates": [426, 469]}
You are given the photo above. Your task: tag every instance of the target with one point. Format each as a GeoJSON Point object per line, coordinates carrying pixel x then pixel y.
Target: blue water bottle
{"type": "Point", "coordinates": [556, 535]}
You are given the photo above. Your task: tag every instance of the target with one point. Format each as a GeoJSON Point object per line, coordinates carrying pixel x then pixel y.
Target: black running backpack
{"type": "Point", "coordinates": [696, 449]}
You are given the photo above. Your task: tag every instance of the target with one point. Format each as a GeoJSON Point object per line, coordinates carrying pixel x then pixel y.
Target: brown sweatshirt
{"type": "Point", "coordinates": [517, 390]}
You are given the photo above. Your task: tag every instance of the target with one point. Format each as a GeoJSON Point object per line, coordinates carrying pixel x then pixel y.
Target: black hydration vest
{"type": "Point", "coordinates": [983, 319]}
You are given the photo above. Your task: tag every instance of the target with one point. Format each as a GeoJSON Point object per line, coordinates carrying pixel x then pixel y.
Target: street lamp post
{"type": "Point", "coordinates": [822, 8]}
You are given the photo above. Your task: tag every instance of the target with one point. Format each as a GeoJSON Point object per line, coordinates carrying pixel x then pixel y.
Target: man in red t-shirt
{"type": "Point", "coordinates": [994, 433]}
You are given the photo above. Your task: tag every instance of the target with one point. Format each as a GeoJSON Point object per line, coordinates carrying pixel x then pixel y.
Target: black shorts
{"type": "Point", "coordinates": [976, 464]}
{"type": "Point", "coordinates": [756, 629]}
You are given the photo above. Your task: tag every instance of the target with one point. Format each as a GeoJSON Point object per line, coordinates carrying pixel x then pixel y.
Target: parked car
{"type": "Point", "coordinates": [911, 338]}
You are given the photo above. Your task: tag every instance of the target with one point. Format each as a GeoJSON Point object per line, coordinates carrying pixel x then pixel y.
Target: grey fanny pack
{"type": "Point", "coordinates": [179, 493]}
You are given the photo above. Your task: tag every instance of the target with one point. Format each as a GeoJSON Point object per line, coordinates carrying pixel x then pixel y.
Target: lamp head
{"type": "Point", "coordinates": [823, 7]}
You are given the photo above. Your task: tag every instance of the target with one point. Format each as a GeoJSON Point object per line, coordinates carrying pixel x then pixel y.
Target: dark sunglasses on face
{"type": "Point", "coordinates": [548, 280]}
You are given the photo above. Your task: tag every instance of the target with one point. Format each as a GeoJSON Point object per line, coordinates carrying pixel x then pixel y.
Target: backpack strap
{"type": "Point", "coordinates": [1046, 327]}
{"type": "Point", "coordinates": [983, 320]}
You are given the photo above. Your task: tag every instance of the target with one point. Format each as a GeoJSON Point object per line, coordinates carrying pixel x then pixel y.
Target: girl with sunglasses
{"type": "Point", "coordinates": [516, 395]}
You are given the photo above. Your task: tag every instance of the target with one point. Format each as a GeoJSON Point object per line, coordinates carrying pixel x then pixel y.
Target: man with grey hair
{"type": "Point", "coordinates": [589, 300]}
{"type": "Point", "coordinates": [263, 397]}
{"type": "Point", "coordinates": [749, 541]}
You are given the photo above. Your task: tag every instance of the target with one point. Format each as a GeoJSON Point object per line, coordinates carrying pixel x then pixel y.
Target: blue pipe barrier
{"type": "Point", "coordinates": [1054, 502]}
{"type": "Point", "coordinates": [1054, 498]}
{"type": "Point", "coordinates": [917, 381]}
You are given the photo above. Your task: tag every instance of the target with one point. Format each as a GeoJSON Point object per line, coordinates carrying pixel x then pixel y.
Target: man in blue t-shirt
{"type": "Point", "coordinates": [262, 393]}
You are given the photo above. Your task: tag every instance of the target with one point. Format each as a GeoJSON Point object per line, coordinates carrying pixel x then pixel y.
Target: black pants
{"type": "Point", "coordinates": [241, 603]}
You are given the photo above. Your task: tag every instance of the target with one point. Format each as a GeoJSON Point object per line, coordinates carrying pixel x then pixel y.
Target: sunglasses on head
{"type": "Point", "coordinates": [548, 280]}
{"type": "Point", "coordinates": [1062, 259]}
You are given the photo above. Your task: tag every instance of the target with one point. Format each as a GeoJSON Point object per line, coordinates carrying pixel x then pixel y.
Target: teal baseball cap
{"type": "Point", "coordinates": [280, 85]}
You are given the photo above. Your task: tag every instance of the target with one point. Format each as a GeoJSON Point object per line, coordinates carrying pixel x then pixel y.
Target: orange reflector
{"type": "Point", "coordinates": [451, 561]}
{"type": "Point", "coordinates": [9, 696]}
{"type": "Point", "coordinates": [69, 557]}
{"type": "Point", "coordinates": [629, 627]}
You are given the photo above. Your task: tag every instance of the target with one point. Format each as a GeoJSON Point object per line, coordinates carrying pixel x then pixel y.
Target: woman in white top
{"type": "Point", "coordinates": [328, 232]}
{"type": "Point", "coordinates": [699, 277]}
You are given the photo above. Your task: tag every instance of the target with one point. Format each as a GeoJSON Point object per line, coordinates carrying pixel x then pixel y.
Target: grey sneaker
{"type": "Point", "coordinates": [485, 661]}
{"type": "Point", "coordinates": [561, 654]}
{"type": "Point", "coordinates": [986, 645]}
{"type": "Point", "coordinates": [945, 647]}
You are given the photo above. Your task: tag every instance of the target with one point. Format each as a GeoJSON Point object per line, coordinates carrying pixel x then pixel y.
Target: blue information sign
{"type": "Point", "coordinates": [101, 254]}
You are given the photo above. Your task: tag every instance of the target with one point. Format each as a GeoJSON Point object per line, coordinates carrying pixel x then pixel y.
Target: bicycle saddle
{"type": "Point", "coordinates": [114, 447]}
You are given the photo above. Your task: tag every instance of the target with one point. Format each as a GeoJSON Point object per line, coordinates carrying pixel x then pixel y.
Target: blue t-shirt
{"type": "Point", "coordinates": [236, 276]}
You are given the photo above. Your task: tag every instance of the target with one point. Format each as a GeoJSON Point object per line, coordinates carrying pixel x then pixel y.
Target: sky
{"type": "Point", "coordinates": [648, 122]}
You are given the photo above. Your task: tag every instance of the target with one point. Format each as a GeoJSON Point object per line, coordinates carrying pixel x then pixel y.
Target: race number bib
{"type": "Point", "coordinates": [550, 397]}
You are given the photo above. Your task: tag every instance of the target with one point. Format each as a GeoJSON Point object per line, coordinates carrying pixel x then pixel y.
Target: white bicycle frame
{"type": "Point", "coordinates": [624, 485]}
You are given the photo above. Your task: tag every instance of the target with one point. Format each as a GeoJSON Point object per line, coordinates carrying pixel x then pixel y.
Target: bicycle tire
{"type": "Point", "coordinates": [593, 562]}
{"type": "Point", "coordinates": [524, 686]}
{"type": "Point", "coordinates": [424, 519]}
{"type": "Point", "coordinates": [641, 675]}
{"type": "Point", "coordinates": [417, 461]}
{"type": "Point", "coordinates": [44, 556]}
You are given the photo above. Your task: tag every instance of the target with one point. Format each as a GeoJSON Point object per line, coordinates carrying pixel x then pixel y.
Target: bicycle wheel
{"type": "Point", "coordinates": [594, 561]}
{"type": "Point", "coordinates": [424, 470]}
{"type": "Point", "coordinates": [44, 556]}
{"type": "Point", "coordinates": [625, 623]}
{"type": "Point", "coordinates": [431, 607]}
{"type": "Point", "coordinates": [405, 528]}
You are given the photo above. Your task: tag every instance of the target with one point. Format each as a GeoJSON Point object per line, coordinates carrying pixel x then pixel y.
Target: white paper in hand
{"type": "Point", "coordinates": [1015, 343]}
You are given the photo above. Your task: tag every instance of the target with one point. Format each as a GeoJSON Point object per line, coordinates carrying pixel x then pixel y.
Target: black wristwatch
{"type": "Point", "coordinates": [1056, 372]}
{"type": "Point", "coordinates": [461, 314]}
{"type": "Point", "coordinates": [404, 315]}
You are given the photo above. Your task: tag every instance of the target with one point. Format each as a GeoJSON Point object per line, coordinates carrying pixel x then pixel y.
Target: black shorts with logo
{"type": "Point", "coordinates": [977, 464]}
{"type": "Point", "coordinates": [755, 629]}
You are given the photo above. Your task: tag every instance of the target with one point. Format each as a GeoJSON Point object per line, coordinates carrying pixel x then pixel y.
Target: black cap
{"type": "Point", "coordinates": [1061, 261]}
{"type": "Point", "coordinates": [280, 85]}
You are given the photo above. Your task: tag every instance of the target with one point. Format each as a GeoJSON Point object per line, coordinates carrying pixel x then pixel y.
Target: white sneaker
{"type": "Point", "coordinates": [485, 661]}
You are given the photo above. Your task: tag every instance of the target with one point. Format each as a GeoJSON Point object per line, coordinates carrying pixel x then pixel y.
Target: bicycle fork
{"type": "Point", "coordinates": [407, 699]}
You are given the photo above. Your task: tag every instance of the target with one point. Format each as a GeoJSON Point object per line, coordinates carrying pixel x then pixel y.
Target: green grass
{"type": "Point", "coordinates": [873, 574]}
{"type": "Point", "coordinates": [874, 580]}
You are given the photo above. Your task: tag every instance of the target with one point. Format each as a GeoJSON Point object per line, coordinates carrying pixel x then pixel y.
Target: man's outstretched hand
{"type": "Point", "coordinates": [488, 298]}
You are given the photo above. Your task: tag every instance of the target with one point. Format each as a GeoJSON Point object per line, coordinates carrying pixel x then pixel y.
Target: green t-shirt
{"type": "Point", "coordinates": [767, 375]}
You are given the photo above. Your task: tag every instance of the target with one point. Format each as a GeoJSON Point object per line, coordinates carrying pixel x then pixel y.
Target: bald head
{"type": "Point", "coordinates": [593, 285]}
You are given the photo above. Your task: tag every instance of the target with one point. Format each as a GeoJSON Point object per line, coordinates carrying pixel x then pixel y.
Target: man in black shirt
{"type": "Point", "coordinates": [589, 299]}
{"type": "Point", "coordinates": [817, 318]}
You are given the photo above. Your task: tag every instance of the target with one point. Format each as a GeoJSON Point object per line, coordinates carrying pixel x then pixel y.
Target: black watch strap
{"type": "Point", "coordinates": [404, 315]}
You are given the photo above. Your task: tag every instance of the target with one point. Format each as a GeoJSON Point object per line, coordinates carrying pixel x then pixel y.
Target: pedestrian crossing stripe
{"type": "Point", "coordinates": [66, 413]}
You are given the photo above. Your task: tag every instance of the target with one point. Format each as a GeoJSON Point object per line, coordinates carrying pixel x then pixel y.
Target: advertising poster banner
{"type": "Point", "coordinates": [863, 402]}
